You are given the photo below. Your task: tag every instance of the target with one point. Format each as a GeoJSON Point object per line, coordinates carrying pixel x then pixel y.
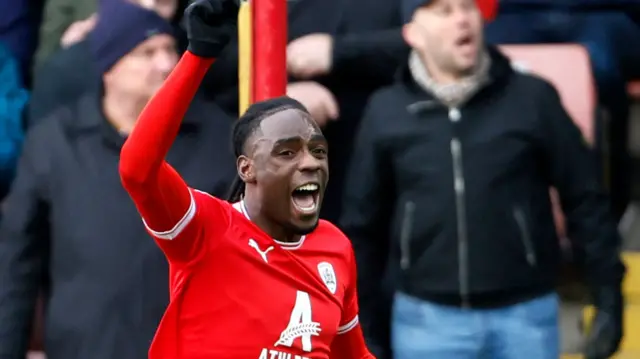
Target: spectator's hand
{"type": "Point", "coordinates": [166, 9]}
{"type": "Point", "coordinates": [605, 332]}
{"type": "Point", "coordinates": [318, 100]}
{"type": "Point", "coordinates": [210, 24]}
{"type": "Point", "coordinates": [310, 56]}
{"type": "Point", "coordinates": [77, 31]}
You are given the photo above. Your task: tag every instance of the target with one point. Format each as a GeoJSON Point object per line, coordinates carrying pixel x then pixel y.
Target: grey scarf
{"type": "Point", "coordinates": [455, 94]}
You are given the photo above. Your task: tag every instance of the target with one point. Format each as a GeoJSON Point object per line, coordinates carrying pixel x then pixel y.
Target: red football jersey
{"type": "Point", "coordinates": [237, 293]}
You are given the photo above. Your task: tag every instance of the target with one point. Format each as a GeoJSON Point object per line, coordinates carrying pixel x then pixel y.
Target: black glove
{"type": "Point", "coordinates": [210, 25]}
{"type": "Point", "coordinates": [605, 332]}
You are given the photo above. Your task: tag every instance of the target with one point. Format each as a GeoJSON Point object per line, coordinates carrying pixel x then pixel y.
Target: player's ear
{"type": "Point", "coordinates": [245, 169]}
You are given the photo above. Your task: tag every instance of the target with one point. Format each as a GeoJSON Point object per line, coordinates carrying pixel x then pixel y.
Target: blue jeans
{"type": "Point", "coordinates": [423, 330]}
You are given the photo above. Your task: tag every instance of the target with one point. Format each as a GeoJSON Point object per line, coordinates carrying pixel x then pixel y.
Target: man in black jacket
{"type": "Point", "coordinates": [449, 186]}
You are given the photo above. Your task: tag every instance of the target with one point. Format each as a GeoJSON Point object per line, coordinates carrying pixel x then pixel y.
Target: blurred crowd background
{"type": "Point", "coordinates": [79, 275]}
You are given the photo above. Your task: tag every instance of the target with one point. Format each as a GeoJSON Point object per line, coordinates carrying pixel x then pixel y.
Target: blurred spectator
{"type": "Point", "coordinates": [339, 53]}
{"type": "Point", "coordinates": [69, 221]}
{"type": "Point", "coordinates": [62, 21]}
{"type": "Point", "coordinates": [13, 99]}
{"type": "Point", "coordinates": [68, 73]}
{"type": "Point", "coordinates": [449, 185]}
{"type": "Point", "coordinates": [608, 32]}
{"type": "Point", "coordinates": [78, 31]}
{"type": "Point", "coordinates": [19, 21]}
{"type": "Point", "coordinates": [67, 22]}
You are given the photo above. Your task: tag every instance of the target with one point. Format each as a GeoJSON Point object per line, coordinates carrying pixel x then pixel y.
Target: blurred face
{"type": "Point", "coordinates": [447, 34]}
{"type": "Point", "coordinates": [142, 71]}
{"type": "Point", "coordinates": [289, 160]}
{"type": "Point", "coordinates": [165, 8]}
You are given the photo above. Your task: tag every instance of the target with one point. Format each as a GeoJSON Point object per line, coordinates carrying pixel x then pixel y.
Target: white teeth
{"type": "Point", "coordinates": [308, 187]}
{"type": "Point", "coordinates": [311, 208]}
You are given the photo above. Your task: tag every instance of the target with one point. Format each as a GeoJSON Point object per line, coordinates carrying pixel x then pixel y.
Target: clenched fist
{"type": "Point", "coordinates": [210, 25]}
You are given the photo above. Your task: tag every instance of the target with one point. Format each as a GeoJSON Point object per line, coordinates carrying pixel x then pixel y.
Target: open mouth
{"type": "Point", "coordinates": [305, 198]}
{"type": "Point", "coordinates": [464, 41]}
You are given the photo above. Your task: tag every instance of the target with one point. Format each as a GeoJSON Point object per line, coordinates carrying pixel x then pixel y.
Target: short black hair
{"type": "Point", "coordinates": [247, 125]}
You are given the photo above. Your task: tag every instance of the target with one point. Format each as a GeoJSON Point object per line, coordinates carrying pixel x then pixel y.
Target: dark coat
{"type": "Point", "coordinates": [69, 221]}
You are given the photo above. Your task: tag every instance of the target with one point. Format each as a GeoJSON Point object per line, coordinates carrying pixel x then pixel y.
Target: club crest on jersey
{"type": "Point", "coordinates": [328, 276]}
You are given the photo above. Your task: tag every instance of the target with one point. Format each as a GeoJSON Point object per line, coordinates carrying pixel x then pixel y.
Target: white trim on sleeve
{"type": "Point", "coordinates": [347, 327]}
{"type": "Point", "coordinates": [180, 226]}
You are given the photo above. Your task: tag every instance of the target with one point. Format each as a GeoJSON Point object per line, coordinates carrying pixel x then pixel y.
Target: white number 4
{"type": "Point", "coordinates": [300, 325]}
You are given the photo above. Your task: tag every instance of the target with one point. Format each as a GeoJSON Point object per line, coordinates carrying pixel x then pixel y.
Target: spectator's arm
{"type": "Point", "coordinates": [372, 55]}
{"type": "Point", "coordinates": [573, 171]}
{"type": "Point", "coordinates": [368, 200]}
{"type": "Point", "coordinates": [24, 243]}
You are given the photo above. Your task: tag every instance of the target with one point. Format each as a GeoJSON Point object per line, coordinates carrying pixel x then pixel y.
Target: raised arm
{"type": "Point", "coordinates": [163, 199]}
{"type": "Point", "coordinates": [167, 205]}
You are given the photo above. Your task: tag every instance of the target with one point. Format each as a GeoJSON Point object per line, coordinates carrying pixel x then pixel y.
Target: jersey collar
{"type": "Point", "coordinates": [242, 208]}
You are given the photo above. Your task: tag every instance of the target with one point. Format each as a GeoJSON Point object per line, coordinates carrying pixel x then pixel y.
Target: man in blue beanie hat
{"type": "Point", "coordinates": [134, 51]}
{"type": "Point", "coordinates": [69, 72]}
{"type": "Point", "coordinates": [69, 220]}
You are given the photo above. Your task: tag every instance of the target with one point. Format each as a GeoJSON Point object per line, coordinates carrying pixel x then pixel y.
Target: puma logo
{"type": "Point", "coordinates": [263, 254]}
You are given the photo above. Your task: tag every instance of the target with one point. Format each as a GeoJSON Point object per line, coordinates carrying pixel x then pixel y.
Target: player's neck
{"type": "Point", "coordinates": [275, 230]}
{"type": "Point", "coordinates": [121, 111]}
